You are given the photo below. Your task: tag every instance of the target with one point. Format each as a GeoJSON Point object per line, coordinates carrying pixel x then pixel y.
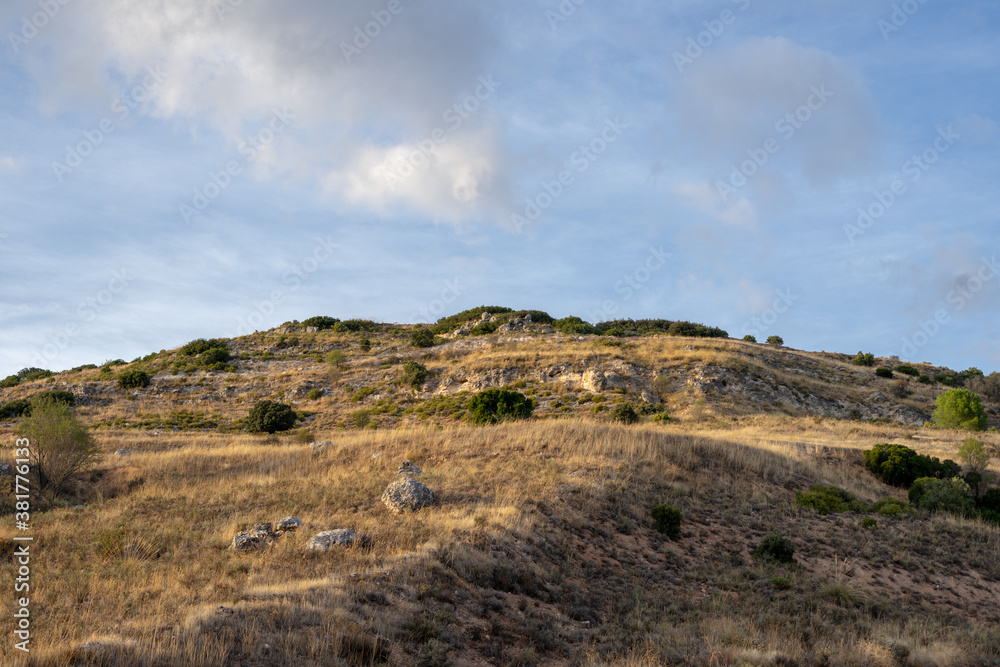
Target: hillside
{"type": "Point", "coordinates": [539, 547]}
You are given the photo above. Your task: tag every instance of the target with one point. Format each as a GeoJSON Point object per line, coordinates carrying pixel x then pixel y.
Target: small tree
{"type": "Point", "coordinates": [961, 409]}
{"type": "Point", "coordinates": [422, 338]}
{"type": "Point", "coordinates": [60, 445]}
{"type": "Point", "coordinates": [974, 455]}
{"type": "Point", "coordinates": [864, 359]}
{"type": "Point", "coordinates": [777, 341]}
{"type": "Point", "coordinates": [624, 413]}
{"type": "Point", "coordinates": [750, 339]}
{"type": "Point", "coordinates": [498, 405]}
{"type": "Point", "coordinates": [270, 417]}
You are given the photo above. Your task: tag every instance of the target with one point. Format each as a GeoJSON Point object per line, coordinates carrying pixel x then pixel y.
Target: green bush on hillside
{"type": "Point", "coordinates": [943, 495]}
{"type": "Point", "coordinates": [199, 346]}
{"type": "Point", "coordinates": [133, 378]}
{"type": "Point", "coordinates": [750, 339]}
{"type": "Point", "coordinates": [960, 409]}
{"type": "Point", "coordinates": [775, 547]}
{"type": "Point", "coordinates": [864, 359]}
{"type": "Point", "coordinates": [414, 374]}
{"type": "Point", "coordinates": [890, 506]}
{"type": "Point", "coordinates": [667, 521]}
{"type": "Point", "coordinates": [574, 325]}
{"type": "Point", "coordinates": [270, 417]}
{"type": "Point", "coordinates": [624, 413]}
{"type": "Point", "coordinates": [422, 338]}
{"type": "Point", "coordinates": [829, 500]}
{"type": "Point", "coordinates": [883, 372]}
{"type": "Point", "coordinates": [321, 322]}
{"type": "Point", "coordinates": [499, 405]}
{"type": "Point", "coordinates": [898, 465]}
{"type": "Point", "coordinates": [777, 341]}
{"type": "Point", "coordinates": [907, 369]}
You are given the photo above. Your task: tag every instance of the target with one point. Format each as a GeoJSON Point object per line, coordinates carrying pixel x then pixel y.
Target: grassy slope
{"type": "Point", "coordinates": [540, 551]}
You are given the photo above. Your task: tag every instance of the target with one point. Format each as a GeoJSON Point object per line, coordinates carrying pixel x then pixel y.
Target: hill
{"type": "Point", "coordinates": [540, 547]}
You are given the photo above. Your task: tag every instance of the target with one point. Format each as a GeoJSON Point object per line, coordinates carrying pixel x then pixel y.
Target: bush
{"type": "Point", "coordinates": [974, 455]}
{"type": "Point", "coordinates": [213, 356]}
{"type": "Point", "coordinates": [452, 322]}
{"type": "Point", "coordinates": [883, 372]}
{"type": "Point", "coordinates": [781, 583]}
{"type": "Point", "coordinates": [667, 521]}
{"type": "Point", "coordinates": [414, 374]}
{"type": "Point", "coordinates": [864, 359]}
{"type": "Point", "coordinates": [906, 369]}
{"type": "Point", "coordinates": [336, 358]}
{"type": "Point", "coordinates": [986, 386]}
{"type": "Point", "coordinates": [199, 346]}
{"type": "Point", "coordinates": [361, 418]}
{"type": "Point", "coordinates": [364, 344]}
{"type": "Point", "coordinates": [900, 389]}
{"type": "Point", "coordinates": [270, 417]}
{"type": "Point", "coordinates": [624, 413]}
{"type": "Point", "coordinates": [60, 445]}
{"type": "Point", "coordinates": [15, 409]}
{"type": "Point", "coordinates": [750, 339]}
{"type": "Point", "coordinates": [777, 341]}
{"type": "Point", "coordinates": [775, 547]}
{"type": "Point", "coordinates": [422, 338]}
{"type": "Point", "coordinates": [961, 409]}
{"type": "Point", "coordinates": [314, 394]}
{"type": "Point", "coordinates": [574, 325]}
{"type": "Point", "coordinates": [898, 465]}
{"type": "Point", "coordinates": [55, 395]}
{"type": "Point", "coordinates": [829, 500]}
{"type": "Point", "coordinates": [889, 506]}
{"type": "Point", "coordinates": [990, 500]}
{"type": "Point", "coordinates": [133, 379]}
{"type": "Point", "coordinates": [869, 523]}
{"type": "Point", "coordinates": [321, 322]}
{"type": "Point", "coordinates": [499, 405]}
{"type": "Point", "coordinates": [943, 495]}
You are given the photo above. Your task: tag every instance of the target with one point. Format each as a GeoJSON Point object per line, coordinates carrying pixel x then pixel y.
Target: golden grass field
{"type": "Point", "coordinates": [540, 549]}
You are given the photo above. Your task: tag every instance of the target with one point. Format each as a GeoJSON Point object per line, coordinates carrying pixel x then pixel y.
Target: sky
{"type": "Point", "coordinates": [821, 170]}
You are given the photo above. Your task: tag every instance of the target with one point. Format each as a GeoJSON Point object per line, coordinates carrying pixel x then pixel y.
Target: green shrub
{"type": "Point", "coordinates": [924, 379]}
{"type": "Point", "coordinates": [270, 417]}
{"type": "Point", "coordinates": [336, 358]}
{"type": "Point", "coordinates": [60, 445]}
{"type": "Point", "coordinates": [869, 523]}
{"type": "Point", "coordinates": [414, 374]}
{"type": "Point", "coordinates": [898, 465]}
{"type": "Point", "coordinates": [361, 418]}
{"type": "Point", "coordinates": [422, 338]}
{"type": "Point", "coordinates": [889, 506]}
{"type": "Point", "coordinates": [661, 418]}
{"type": "Point", "coordinates": [883, 372]}
{"type": "Point", "coordinates": [15, 409]}
{"type": "Point", "coordinates": [452, 322]}
{"type": "Point", "coordinates": [864, 359]}
{"type": "Point", "coordinates": [213, 356]}
{"type": "Point", "coordinates": [574, 325]}
{"type": "Point", "coordinates": [990, 500]}
{"type": "Point", "coordinates": [667, 521]}
{"type": "Point", "coordinates": [974, 455]}
{"type": "Point", "coordinates": [54, 395]}
{"type": "Point", "coordinates": [321, 322]}
{"type": "Point", "coordinates": [484, 328]}
{"type": "Point", "coordinates": [943, 495]}
{"type": "Point", "coordinates": [777, 341]}
{"type": "Point", "coordinates": [624, 413]}
{"type": "Point", "coordinates": [364, 344]}
{"type": "Point", "coordinates": [781, 583]}
{"type": "Point", "coordinates": [133, 379]}
{"type": "Point", "coordinates": [906, 369]}
{"type": "Point", "coordinates": [829, 500]}
{"type": "Point", "coordinates": [314, 394]}
{"type": "Point", "coordinates": [499, 405]}
{"type": "Point", "coordinates": [199, 346]}
{"type": "Point", "coordinates": [775, 547]}
{"type": "Point", "coordinates": [750, 339]}
{"type": "Point", "coordinates": [961, 409]}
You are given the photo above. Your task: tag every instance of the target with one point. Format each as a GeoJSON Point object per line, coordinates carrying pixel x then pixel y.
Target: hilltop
{"type": "Point", "coordinates": [540, 547]}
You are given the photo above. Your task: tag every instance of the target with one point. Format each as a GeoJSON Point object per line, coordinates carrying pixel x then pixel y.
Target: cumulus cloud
{"type": "Point", "coordinates": [361, 80]}
{"type": "Point", "coordinates": [808, 101]}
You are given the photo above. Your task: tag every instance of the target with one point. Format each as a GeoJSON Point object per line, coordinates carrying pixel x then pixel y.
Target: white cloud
{"type": "Point", "coordinates": [704, 197]}
{"type": "Point", "coordinates": [234, 70]}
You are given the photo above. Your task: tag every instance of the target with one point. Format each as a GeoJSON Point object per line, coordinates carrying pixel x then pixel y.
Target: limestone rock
{"type": "Point", "coordinates": [289, 524]}
{"type": "Point", "coordinates": [331, 538]}
{"type": "Point", "coordinates": [6, 470]}
{"type": "Point", "coordinates": [649, 398]}
{"type": "Point", "coordinates": [318, 447]}
{"type": "Point", "coordinates": [409, 469]}
{"type": "Point", "coordinates": [259, 536]}
{"type": "Point", "coordinates": [407, 495]}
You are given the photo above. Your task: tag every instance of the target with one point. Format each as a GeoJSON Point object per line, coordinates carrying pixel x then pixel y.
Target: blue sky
{"type": "Point", "coordinates": [188, 169]}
